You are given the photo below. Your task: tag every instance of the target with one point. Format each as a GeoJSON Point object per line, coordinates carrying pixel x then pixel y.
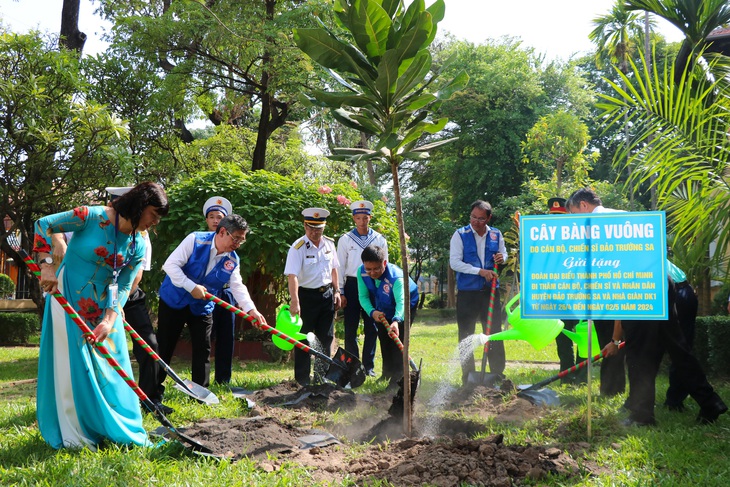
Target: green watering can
{"type": "Point", "coordinates": [288, 325]}
{"type": "Point", "coordinates": [580, 337]}
{"type": "Point", "coordinates": [537, 332]}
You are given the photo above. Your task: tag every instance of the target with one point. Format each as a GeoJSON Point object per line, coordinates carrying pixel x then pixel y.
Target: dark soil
{"type": "Point", "coordinates": [442, 451]}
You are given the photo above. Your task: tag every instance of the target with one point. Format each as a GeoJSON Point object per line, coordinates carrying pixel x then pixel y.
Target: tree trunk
{"type": "Point", "coordinates": [407, 412]}
{"type": "Point", "coordinates": [262, 136]}
{"type": "Point", "coordinates": [71, 37]}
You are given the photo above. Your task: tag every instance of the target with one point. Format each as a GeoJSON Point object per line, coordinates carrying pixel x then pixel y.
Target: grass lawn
{"type": "Point", "coordinates": [676, 453]}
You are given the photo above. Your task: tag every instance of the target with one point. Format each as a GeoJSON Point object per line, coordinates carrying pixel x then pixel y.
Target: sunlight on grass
{"type": "Point", "coordinates": [676, 453]}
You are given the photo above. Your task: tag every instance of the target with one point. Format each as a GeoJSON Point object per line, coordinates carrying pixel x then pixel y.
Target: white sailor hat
{"type": "Point", "coordinates": [117, 191]}
{"type": "Point", "coordinates": [217, 203]}
{"type": "Point", "coordinates": [315, 217]}
{"type": "Point", "coordinates": [362, 207]}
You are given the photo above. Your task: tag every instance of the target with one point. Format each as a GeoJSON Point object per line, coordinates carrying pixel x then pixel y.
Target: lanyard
{"type": "Point", "coordinates": [117, 270]}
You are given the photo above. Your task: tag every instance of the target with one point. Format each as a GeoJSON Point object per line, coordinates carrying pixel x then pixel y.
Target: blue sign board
{"type": "Point", "coordinates": [594, 266]}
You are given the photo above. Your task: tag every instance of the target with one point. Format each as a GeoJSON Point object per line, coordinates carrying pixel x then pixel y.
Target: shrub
{"type": "Point", "coordinates": [272, 205]}
{"type": "Point", "coordinates": [18, 327]}
{"type": "Point", "coordinates": [7, 287]}
{"type": "Point", "coordinates": [711, 338]}
{"type": "Point", "coordinates": [719, 302]}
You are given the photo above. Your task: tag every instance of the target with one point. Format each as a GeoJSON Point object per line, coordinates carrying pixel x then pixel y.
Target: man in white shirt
{"type": "Point", "coordinates": [475, 250]}
{"type": "Point", "coordinates": [349, 249]}
{"type": "Point", "coordinates": [311, 271]}
{"type": "Point", "coordinates": [203, 262]}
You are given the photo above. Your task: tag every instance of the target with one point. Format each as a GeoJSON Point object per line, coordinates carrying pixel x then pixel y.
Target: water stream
{"type": "Point", "coordinates": [463, 353]}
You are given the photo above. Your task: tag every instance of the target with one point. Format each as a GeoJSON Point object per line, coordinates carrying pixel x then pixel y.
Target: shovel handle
{"type": "Point", "coordinates": [271, 329]}
{"type": "Point", "coordinates": [86, 332]}
{"type": "Point", "coordinates": [570, 370]}
{"type": "Point", "coordinates": [397, 341]}
{"type": "Point", "coordinates": [142, 343]}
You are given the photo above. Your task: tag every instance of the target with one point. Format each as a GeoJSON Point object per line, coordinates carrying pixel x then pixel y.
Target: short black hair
{"type": "Point", "coordinates": [373, 253]}
{"type": "Point", "coordinates": [583, 194]}
{"type": "Point", "coordinates": [233, 223]}
{"type": "Point", "coordinates": [132, 204]}
{"type": "Point", "coordinates": [482, 205]}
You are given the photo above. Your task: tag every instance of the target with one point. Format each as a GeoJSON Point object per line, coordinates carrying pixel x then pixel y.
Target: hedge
{"type": "Point", "coordinates": [711, 347]}
{"type": "Point", "coordinates": [16, 328]}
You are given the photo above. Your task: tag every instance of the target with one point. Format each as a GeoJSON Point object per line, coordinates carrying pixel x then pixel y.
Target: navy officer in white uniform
{"type": "Point", "coordinates": [203, 262]}
{"type": "Point", "coordinates": [311, 271]}
{"type": "Point", "coordinates": [349, 249]}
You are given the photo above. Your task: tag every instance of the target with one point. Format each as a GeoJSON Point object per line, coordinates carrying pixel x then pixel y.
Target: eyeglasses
{"type": "Point", "coordinates": [237, 240]}
{"type": "Point", "coordinates": [478, 219]}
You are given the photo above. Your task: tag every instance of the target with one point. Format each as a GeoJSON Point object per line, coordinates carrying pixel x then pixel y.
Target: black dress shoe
{"type": "Point", "coordinates": [628, 422]}
{"type": "Point", "coordinates": [709, 414]}
{"type": "Point", "coordinates": [164, 409]}
{"type": "Point", "coordinates": [160, 407]}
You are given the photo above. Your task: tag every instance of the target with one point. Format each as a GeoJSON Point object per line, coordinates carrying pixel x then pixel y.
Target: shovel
{"type": "Point", "coordinates": [186, 386]}
{"type": "Point", "coordinates": [482, 377]}
{"type": "Point", "coordinates": [344, 368]}
{"type": "Point", "coordinates": [398, 343]}
{"type": "Point", "coordinates": [174, 433]}
{"type": "Point", "coordinates": [548, 397]}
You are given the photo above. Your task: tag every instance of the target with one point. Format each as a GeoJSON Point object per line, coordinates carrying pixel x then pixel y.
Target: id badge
{"type": "Point", "coordinates": [112, 297]}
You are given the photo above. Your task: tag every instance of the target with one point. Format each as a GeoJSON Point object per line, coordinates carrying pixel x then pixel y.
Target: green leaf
{"type": "Point", "coordinates": [387, 77]}
{"type": "Point", "coordinates": [433, 145]}
{"type": "Point", "coordinates": [322, 47]}
{"type": "Point", "coordinates": [422, 127]}
{"type": "Point", "coordinates": [370, 25]}
{"type": "Point", "coordinates": [345, 117]}
{"type": "Point", "coordinates": [415, 74]}
{"type": "Point", "coordinates": [437, 11]}
{"type": "Point", "coordinates": [391, 7]}
{"type": "Point", "coordinates": [415, 39]}
{"type": "Point", "coordinates": [458, 83]}
{"type": "Point", "coordinates": [338, 99]}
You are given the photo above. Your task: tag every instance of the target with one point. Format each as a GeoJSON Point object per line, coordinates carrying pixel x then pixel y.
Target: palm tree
{"type": "Point", "coordinates": [696, 19]}
{"type": "Point", "coordinates": [617, 36]}
{"type": "Point", "coordinates": [687, 124]}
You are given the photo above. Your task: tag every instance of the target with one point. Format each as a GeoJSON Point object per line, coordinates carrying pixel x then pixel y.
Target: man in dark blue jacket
{"type": "Point", "coordinates": [380, 288]}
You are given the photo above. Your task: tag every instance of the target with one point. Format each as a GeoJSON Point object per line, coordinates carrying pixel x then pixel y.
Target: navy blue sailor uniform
{"type": "Point", "coordinates": [474, 291]}
{"type": "Point", "coordinates": [313, 267]}
{"type": "Point", "coordinates": [349, 249]}
{"type": "Point", "coordinates": [200, 264]}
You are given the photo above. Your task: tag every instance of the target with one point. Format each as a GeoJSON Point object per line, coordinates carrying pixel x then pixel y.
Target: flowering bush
{"type": "Point", "coordinates": [324, 189]}
{"type": "Point", "coordinates": [343, 200]}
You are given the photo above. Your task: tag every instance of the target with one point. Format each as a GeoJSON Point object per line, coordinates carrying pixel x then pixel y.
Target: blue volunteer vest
{"type": "Point", "coordinates": [178, 298]}
{"type": "Point", "coordinates": [383, 296]}
{"type": "Point", "coordinates": [475, 282]}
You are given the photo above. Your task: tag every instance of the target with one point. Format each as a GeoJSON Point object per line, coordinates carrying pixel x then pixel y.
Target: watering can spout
{"type": "Point", "coordinates": [580, 337]}
{"type": "Point", "coordinates": [537, 332]}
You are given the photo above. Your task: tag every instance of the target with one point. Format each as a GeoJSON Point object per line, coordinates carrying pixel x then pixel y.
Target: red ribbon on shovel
{"type": "Point", "coordinates": [490, 314]}
{"type": "Point", "coordinates": [86, 331]}
{"type": "Point", "coordinates": [354, 369]}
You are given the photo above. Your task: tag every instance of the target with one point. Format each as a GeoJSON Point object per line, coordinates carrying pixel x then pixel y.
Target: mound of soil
{"type": "Point", "coordinates": [440, 453]}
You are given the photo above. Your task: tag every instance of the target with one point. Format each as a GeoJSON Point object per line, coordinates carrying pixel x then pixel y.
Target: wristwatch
{"type": "Point", "coordinates": [616, 342]}
{"type": "Point", "coordinates": [46, 260]}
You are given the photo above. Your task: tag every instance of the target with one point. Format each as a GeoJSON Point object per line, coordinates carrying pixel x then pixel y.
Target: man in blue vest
{"type": "Point", "coordinates": [475, 250]}
{"type": "Point", "coordinates": [380, 288]}
{"type": "Point", "coordinates": [203, 262]}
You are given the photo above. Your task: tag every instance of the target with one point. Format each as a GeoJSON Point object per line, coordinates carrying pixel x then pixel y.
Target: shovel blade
{"type": "Point", "coordinates": [541, 397]}
{"type": "Point", "coordinates": [482, 378]}
{"type": "Point", "coordinates": [345, 369]}
{"type": "Point", "coordinates": [197, 391]}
